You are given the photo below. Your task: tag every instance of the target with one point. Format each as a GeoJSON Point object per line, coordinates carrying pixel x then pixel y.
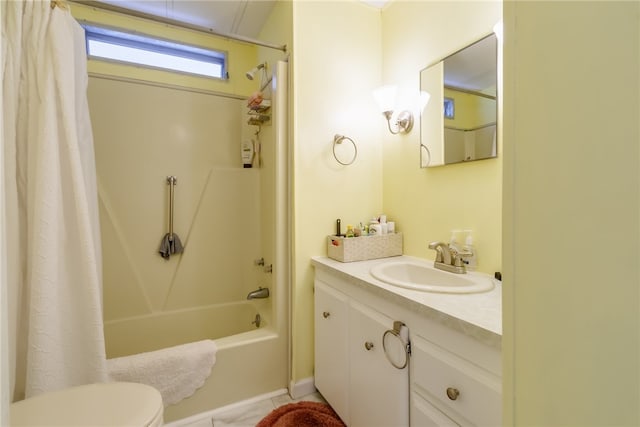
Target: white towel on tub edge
{"type": "Point", "coordinates": [177, 372]}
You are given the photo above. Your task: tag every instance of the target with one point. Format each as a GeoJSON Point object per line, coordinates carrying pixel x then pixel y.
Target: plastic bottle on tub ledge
{"type": "Point", "coordinates": [247, 153]}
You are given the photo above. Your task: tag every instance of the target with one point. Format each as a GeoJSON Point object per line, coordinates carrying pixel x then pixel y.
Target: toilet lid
{"type": "Point", "coordinates": [104, 404]}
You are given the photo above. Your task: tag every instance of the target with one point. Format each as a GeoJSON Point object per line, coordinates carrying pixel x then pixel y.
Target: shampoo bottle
{"type": "Point", "coordinates": [247, 153]}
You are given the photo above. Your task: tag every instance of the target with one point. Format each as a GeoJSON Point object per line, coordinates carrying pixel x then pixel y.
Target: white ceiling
{"type": "Point", "coordinates": [242, 17]}
{"type": "Point", "coordinates": [475, 67]}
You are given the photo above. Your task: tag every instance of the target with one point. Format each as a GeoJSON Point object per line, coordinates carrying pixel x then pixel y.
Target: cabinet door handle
{"type": "Point", "coordinates": [326, 314]}
{"type": "Point", "coordinates": [368, 345]}
{"type": "Point", "coordinates": [453, 393]}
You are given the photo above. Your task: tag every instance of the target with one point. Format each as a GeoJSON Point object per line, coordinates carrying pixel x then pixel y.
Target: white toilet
{"type": "Point", "coordinates": [104, 404]}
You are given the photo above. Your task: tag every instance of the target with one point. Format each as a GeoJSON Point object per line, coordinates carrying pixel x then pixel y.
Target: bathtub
{"type": "Point", "coordinates": [240, 371]}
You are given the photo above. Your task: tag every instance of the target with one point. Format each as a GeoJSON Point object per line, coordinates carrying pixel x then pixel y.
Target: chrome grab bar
{"type": "Point", "coordinates": [171, 182]}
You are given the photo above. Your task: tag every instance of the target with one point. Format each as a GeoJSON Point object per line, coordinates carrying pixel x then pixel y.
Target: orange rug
{"type": "Point", "coordinates": [302, 414]}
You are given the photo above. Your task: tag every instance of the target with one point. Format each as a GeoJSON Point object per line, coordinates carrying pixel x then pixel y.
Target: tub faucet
{"type": "Point", "coordinates": [259, 293]}
{"type": "Point", "coordinates": [447, 258]}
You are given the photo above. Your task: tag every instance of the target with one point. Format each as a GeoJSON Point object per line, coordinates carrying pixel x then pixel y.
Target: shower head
{"type": "Point", "coordinates": [251, 74]}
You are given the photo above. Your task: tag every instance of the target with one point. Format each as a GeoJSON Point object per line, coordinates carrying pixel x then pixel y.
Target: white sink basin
{"type": "Point", "coordinates": [422, 276]}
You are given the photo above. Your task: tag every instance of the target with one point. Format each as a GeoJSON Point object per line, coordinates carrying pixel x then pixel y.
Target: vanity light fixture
{"type": "Point", "coordinates": [386, 98]}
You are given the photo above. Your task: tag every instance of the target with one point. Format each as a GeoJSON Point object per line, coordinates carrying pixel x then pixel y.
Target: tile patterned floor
{"type": "Point", "coordinates": [249, 415]}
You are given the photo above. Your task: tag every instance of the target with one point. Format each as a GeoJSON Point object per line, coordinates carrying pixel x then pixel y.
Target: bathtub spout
{"type": "Point", "coordinates": [259, 293]}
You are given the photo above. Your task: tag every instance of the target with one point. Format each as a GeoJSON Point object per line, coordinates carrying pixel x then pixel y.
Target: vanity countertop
{"type": "Point", "coordinates": [477, 314]}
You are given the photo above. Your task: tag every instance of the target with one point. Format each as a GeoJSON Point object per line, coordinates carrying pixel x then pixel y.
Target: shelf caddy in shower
{"type": "Point", "coordinates": [260, 114]}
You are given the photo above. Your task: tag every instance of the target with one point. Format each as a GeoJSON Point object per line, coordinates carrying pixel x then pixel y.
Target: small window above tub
{"type": "Point", "coordinates": [147, 51]}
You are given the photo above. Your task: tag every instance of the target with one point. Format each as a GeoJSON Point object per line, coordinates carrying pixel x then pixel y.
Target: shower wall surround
{"type": "Point", "coordinates": [144, 133]}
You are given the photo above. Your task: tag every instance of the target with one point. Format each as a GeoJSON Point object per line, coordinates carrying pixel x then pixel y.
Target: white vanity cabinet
{"type": "Point", "coordinates": [453, 377]}
{"type": "Point", "coordinates": [351, 369]}
{"type": "Point", "coordinates": [331, 347]}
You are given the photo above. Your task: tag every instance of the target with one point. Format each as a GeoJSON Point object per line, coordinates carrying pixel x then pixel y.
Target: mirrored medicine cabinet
{"type": "Point", "coordinates": [460, 122]}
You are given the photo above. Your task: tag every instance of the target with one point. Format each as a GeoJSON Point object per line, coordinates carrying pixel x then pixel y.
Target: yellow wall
{"type": "Point", "coordinates": [336, 65]}
{"type": "Point", "coordinates": [428, 203]}
{"type": "Point", "coordinates": [332, 94]}
{"type": "Point", "coordinates": [571, 302]}
{"type": "Point", "coordinates": [470, 110]}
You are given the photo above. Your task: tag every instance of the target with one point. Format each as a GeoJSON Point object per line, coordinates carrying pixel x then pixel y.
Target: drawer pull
{"type": "Point", "coordinates": [368, 345]}
{"type": "Point", "coordinates": [326, 314]}
{"type": "Point", "coordinates": [453, 393]}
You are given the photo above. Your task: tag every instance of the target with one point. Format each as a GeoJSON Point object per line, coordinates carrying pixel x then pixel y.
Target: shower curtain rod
{"type": "Point", "coordinates": [166, 85]}
{"type": "Point", "coordinates": [176, 23]}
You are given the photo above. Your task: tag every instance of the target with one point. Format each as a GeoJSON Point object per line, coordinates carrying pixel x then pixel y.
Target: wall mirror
{"type": "Point", "coordinates": [460, 122]}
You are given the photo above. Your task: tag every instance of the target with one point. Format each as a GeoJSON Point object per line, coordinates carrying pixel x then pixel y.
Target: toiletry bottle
{"type": "Point", "coordinates": [374, 227]}
{"type": "Point", "coordinates": [471, 261]}
{"type": "Point", "coordinates": [350, 231]}
{"type": "Point", "coordinates": [247, 153]}
{"type": "Point", "coordinates": [453, 240]}
{"type": "Point", "coordinates": [391, 227]}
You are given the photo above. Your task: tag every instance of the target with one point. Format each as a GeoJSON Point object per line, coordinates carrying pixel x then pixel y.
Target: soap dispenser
{"type": "Point", "coordinates": [471, 261]}
{"type": "Point", "coordinates": [453, 240]}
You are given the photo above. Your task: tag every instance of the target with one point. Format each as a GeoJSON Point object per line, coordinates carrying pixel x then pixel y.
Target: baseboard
{"type": "Point", "coordinates": [297, 390]}
{"type": "Point", "coordinates": [302, 388]}
{"type": "Point", "coordinates": [209, 414]}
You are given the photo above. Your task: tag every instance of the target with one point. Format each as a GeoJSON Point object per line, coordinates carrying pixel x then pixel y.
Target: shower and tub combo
{"type": "Point", "coordinates": [225, 215]}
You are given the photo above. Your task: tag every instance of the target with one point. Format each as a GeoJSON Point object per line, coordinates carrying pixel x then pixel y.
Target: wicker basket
{"type": "Point", "coordinates": [365, 247]}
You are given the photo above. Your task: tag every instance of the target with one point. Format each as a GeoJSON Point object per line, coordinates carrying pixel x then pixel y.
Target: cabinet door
{"type": "Point", "coordinates": [331, 354]}
{"type": "Point", "coordinates": [379, 392]}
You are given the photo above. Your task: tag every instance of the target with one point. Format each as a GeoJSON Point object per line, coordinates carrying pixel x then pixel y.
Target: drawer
{"type": "Point", "coordinates": [424, 414]}
{"type": "Point", "coordinates": [456, 385]}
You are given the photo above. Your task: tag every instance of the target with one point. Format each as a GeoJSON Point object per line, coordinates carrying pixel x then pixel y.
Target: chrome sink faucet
{"type": "Point", "coordinates": [448, 258]}
{"type": "Point", "coordinates": [443, 253]}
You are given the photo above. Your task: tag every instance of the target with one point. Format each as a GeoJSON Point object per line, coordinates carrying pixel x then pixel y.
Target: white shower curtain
{"type": "Point", "coordinates": [53, 254]}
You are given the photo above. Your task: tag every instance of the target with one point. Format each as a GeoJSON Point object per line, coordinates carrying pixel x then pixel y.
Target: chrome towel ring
{"type": "Point", "coordinates": [400, 331]}
{"type": "Point", "coordinates": [337, 140]}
